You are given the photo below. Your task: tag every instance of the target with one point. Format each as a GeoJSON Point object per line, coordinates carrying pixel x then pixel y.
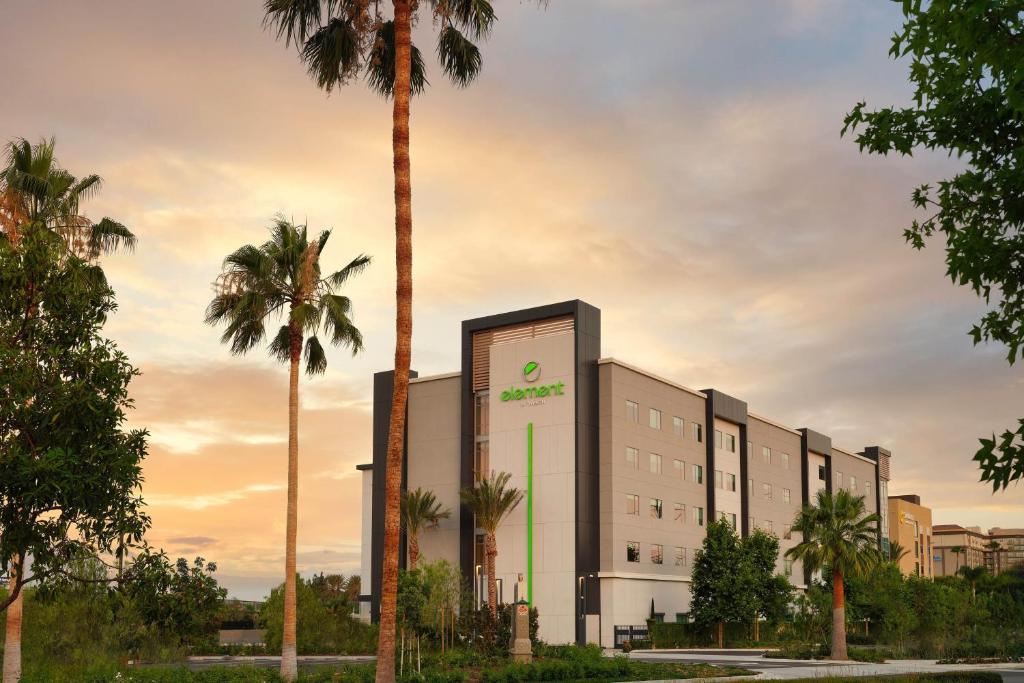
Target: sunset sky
{"type": "Point", "coordinates": [675, 163]}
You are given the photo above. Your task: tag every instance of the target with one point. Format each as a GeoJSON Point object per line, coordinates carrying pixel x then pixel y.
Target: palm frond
{"type": "Point", "coordinates": [293, 20]}
{"type": "Point", "coordinates": [316, 359]}
{"type": "Point", "coordinates": [108, 236]}
{"type": "Point", "coordinates": [281, 346]}
{"type": "Point", "coordinates": [354, 267]}
{"type": "Point", "coordinates": [306, 317]}
{"type": "Point", "coordinates": [460, 58]}
{"type": "Point", "coordinates": [332, 54]}
{"type": "Point", "coordinates": [339, 325]}
{"type": "Point", "coordinates": [475, 16]}
{"type": "Point", "coordinates": [380, 67]}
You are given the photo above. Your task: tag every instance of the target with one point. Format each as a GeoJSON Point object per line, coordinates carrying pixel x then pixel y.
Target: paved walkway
{"type": "Point", "coordinates": [782, 669]}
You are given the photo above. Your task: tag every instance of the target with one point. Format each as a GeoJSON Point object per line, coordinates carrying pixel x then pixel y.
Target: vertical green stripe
{"type": "Point", "coordinates": [529, 513]}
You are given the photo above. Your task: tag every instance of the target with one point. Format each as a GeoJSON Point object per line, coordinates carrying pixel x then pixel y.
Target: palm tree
{"type": "Point", "coordinates": [420, 511]}
{"type": "Point", "coordinates": [838, 535]}
{"type": "Point", "coordinates": [994, 548]}
{"type": "Point", "coordinates": [957, 551]}
{"type": "Point", "coordinates": [972, 576]}
{"type": "Point", "coordinates": [282, 279]}
{"type": "Point", "coordinates": [897, 552]}
{"type": "Point", "coordinates": [339, 41]}
{"type": "Point", "coordinates": [491, 500]}
{"type": "Point", "coordinates": [37, 194]}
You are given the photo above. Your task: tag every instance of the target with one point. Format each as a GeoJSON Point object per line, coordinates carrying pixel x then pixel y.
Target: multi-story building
{"type": "Point", "coordinates": [910, 525]}
{"type": "Point", "coordinates": [954, 546]}
{"type": "Point", "coordinates": [622, 470]}
{"type": "Point", "coordinates": [1004, 549]}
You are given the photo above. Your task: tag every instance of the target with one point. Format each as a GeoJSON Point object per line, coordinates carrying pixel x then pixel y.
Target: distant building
{"type": "Point", "coordinates": [1004, 549]}
{"type": "Point", "coordinates": [910, 525]}
{"type": "Point", "coordinates": [957, 546]}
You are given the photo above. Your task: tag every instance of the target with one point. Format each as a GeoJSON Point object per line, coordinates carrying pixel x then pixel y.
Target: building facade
{"type": "Point", "coordinates": [910, 526]}
{"type": "Point", "coordinates": [957, 546]}
{"type": "Point", "coordinates": [622, 471]}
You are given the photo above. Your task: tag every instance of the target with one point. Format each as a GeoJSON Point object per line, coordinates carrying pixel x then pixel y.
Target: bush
{"type": "Point", "coordinates": [319, 629]}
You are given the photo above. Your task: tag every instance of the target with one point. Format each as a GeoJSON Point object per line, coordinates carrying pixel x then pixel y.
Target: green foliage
{"type": "Point", "coordinates": [66, 453]}
{"type": "Point", "coordinates": [320, 629]}
{"type": "Point", "coordinates": [967, 69]}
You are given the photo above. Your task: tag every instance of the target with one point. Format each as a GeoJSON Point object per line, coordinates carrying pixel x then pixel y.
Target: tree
{"type": "Point", "coordinates": [322, 629]}
{"type": "Point", "coordinates": [897, 552]}
{"type": "Point", "coordinates": [282, 279]}
{"type": "Point", "coordinates": [723, 590]}
{"type": "Point", "coordinates": [957, 551]}
{"type": "Point", "coordinates": [966, 67]}
{"type": "Point", "coordinates": [490, 501]}
{"type": "Point", "coordinates": [37, 195]}
{"type": "Point", "coordinates": [840, 537]}
{"type": "Point", "coordinates": [770, 592]}
{"type": "Point", "coordinates": [70, 474]}
{"type": "Point", "coordinates": [420, 511]}
{"type": "Point", "coordinates": [972, 575]}
{"type": "Point", "coordinates": [338, 42]}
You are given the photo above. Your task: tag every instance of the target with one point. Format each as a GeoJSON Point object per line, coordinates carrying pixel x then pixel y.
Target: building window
{"type": "Point", "coordinates": [785, 495]}
{"type": "Point", "coordinates": [730, 443]}
{"type": "Point", "coordinates": [766, 455]}
{"type": "Point", "coordinates": [632, 552]}
{"type": "Point", "coordinates": [750, 488]}
{"type": "Point", "coordinates": [678, 427]}
{"type": "Point", "coordinates": [632, 504]}
{"type": "Point", "coordinates": [657, 554]}
{"type": "Point", "coordinates": [718, 479]}
{"type": "Point", "coordinates": [867, 490]}
{"type": "Point", "coordinates": [698, 516]}
{"type": "Point", "coordinates": [785, 460]}
{"type": "Point", "coordinates": [787, 567]}
{"type": "Point", "coordinates": [655, 463]}
{"type": "Point", "coordinates": [633, 457]}
{"type": "Point", "coordinates": [750, 448]}
{"type": "Point", "coordinates": [853, 483]}
{"type": "Point", "coordinates": [679, 469]}
{"type": "Point", "coordinates": [654, 418]}
{"type": "Point", "coordinates": [679, 512]}
{"type": "Point", "coordinates": [750, 524]}
{"type": "Point", "coordinates": [766, 489]}
{"type": "Point", "coordinates": [655, 506]}
{"type": "Point", "coordinates": [698, 474]}
{"type": "Point", "coordinates": [632, 411]}
{"type": "Point", "coordinates": [730, 482]}
{"type": "Point", "coordinates": [698, 432]}
{"type": "Point", "coordinates": [680, 557]}
{"type": "Point", "coordinates": [732, 519]}
{"type": "Point", "coordinates": [787, 532]}
{"type": "Point", "coordinates": [718, 438]}
{"type": "Point", "coordinates": [481, 461]}
{"type": "Point", "coordinates": [768, 526]}
{"type": "Point", "coordinates": [821, 472]}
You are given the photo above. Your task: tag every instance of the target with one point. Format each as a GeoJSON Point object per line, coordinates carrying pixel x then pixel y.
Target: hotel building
{"type": "Point", "coordinates": [622, 471]}
{"type": "Point", "coordinates": [956, 546]}
{"type": "Point", "coordinates": [910, 525]}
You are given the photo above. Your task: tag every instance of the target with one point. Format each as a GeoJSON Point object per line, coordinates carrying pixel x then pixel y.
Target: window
{"type": "Point", "coordinates": [481, 460]}
{"type": "Point", "coordinates": [678, 427]}
{"type": "Point", "coordinates": [785, 495]}
{"type": "Point", "coordinates": [657, 554]}
{"type": "Point", "coordinates": [839, 480]}
{"type": "Point", "coordinates": [730, 482]}
{"type": "Point", "coordinates": [732, 519]}
{"type": "Point", "coordinates": [679, 512]}
{"type": "Point", "coordinates": [654, 418]}
{"type": "Point", "coordinates": [766, 489]}
{"type": "Point", "coordinates": [853, 483]}
{"type": "Point", "coordinates": [698, 516]}
{"type": "Point", "coordinates": [679, 469]}
{"type": "Point", "coordinates": [821, 472]}
{"type": "Point", "coordinates": [632, 552]}
{"type": "Point", "coordinates": [632, 457]}
{"type": "Point", "coordinates": [718, 479]}
{"type": "Point", "coordinates": [718, 438]}
{"type": "Point", "coordinates": [698, 474]}
{"type": "Point", "coordinates": [867, 490]}
{"type": "Point", "coordinates": [750, 523]}
{"type": "Point", "coordinates": [680, 557]}
{"type": "Point", "coordinates": [787, 567]}
{"type": "Point", "coordinates": [766, 455]}
{"type": "Point", "coordinates": [787, 532]}
{"type": "Point", "coordinates": [655, 506]}
{"type": "Point", "coordinates": [632, 504]}
{"type": "Point", "coordinates": [785, 460]}
{"type": "Point", "coordinates": [655, 463]}
{"type": "Point", "coordinates": [632, 411]}
{"type": "Point", "coordinates": [730, 443]}
{"type": "Point", "coordinates": [768, 526]}
{"type": "Point", "coordinates": [750, 488]}
{"type": "Point", "coordinates": [698, 432]}
{"type": "Point", "coordinates": [750, 448]}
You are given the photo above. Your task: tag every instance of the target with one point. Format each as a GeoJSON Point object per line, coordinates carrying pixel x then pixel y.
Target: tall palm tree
{"type": "Point", "coordinates": [994, 548]}
{"type": "Point", "coordinates": [897, 552]}
{"type": "Point", "coordinates": [491, 500]}
{"type": "Point", "coordinates": [420, 511]}
{"type": "Point", "coordinates": [37, 194]}
{"type": "Point", "coordinates": [339, 41]}
{"type": "Point", "coordinates": [957, 551]}
{"type": "Point", "coordinates": [282, 279]}
{"type": "Point", "coordinates": [839, 536]}
{"type": "Point", "coordinates": [972, 575]}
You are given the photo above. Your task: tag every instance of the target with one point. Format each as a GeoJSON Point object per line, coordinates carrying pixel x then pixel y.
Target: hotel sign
{"type": "Point", "coordinates": [531, 373]}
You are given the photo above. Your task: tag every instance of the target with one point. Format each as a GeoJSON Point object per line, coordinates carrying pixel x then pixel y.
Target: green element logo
{"type": "Point", "coordinates": [531, 371]}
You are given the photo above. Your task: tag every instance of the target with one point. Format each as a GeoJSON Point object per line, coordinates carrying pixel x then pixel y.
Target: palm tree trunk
{"type": "Point", "coordinates": [721, 635]}
{"type": "Point", "coordinates": [492, 580]}
{"type": "Point", "coordinates": [12, 635]}
{"type": "Point", "coordinates": [414, 549]}
{"type": "Point", "coordinates": [838, 616]}
{"type": "Point", "coordinates": [289, 663]}
{"type": "Point", "coordinates": [403, 340]}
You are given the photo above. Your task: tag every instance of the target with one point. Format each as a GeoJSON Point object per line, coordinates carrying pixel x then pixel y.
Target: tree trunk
{"type": "Point", "coordinates": [757, 628]}
{"type": "Point", "coordinates": [492, 581]}
{"type": "Point", "coordinates": [721, 635]}
{"type": "Point", "coordinates": [414, 549]}
{"type": "Point", "coordinates": [12, 636]}
{"type": "Point", "coordinates": [403, 340]}
{"type": "Point", "coordinates": [838, 616]}
{"type": "Point", "coordinates": [289, 663]}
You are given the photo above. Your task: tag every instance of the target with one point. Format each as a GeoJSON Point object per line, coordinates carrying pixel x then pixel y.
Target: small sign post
{"type": "Point", "coordinates": [521, 650]}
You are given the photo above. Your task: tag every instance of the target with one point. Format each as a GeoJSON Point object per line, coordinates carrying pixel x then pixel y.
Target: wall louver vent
{"type": "Point", "coordinates": [485, 339]}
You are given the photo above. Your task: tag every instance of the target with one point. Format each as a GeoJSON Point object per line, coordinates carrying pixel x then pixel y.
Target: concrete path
{"type": "Point", "coordinates": [782, 669]}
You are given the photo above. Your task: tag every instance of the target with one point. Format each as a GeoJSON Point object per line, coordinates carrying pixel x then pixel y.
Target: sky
{"type": "Point", "coordinates": [676, 163]}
